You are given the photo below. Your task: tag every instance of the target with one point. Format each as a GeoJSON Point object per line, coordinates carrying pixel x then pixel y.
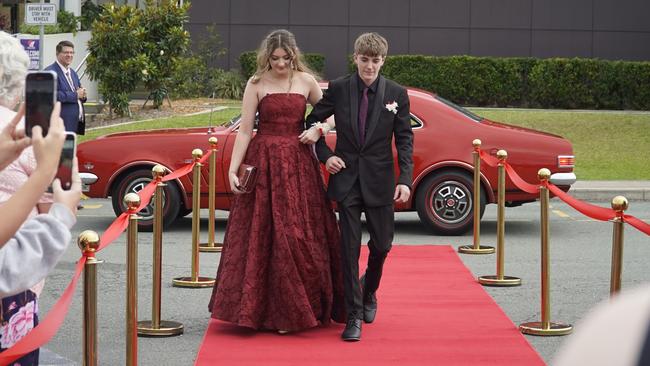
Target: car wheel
{"type": "Point", "coordinates": [184, 212]}
{"type": "Point", "coordinates": [444, 202]}
{"type": "Point", "coordinates": [134, 182]}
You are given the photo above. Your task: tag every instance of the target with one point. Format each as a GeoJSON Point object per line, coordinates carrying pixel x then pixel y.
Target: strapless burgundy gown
{"type": "Point", "coordinates": [280, 266]}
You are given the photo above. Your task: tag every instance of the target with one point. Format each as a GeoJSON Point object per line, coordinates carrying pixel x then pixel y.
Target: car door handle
{"type": "Point", "coordinates": [494, 151]}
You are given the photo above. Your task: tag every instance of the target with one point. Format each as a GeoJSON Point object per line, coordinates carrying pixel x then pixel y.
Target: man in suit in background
{"type": "Point", "coordinates": [370, 112]}
{"type": "Point", "coordinates": [69, 90]}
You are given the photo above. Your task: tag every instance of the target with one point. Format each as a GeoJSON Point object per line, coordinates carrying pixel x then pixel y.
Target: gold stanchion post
{"type": "Point", "coordinates": [195, 281]}
{"type": "Point", "coordinates": [156, 327]}
{"type": "Point", "coordinates": [132, 202]}
{"type": "Point", "coordinates": [88, 242]}
{"type": "Point", "coordinates": [477, 248]}
{"type": "Point", "coordinates": [499, 279]}
{"type": "Point", "coordinates": [211, 246]}
{"type": "Point", "coordinates": [619, 204]}
{"type": "Point", "coordinates": [545, 327]}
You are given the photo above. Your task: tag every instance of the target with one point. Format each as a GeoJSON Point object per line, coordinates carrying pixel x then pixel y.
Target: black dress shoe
{"type": "Point", "coordinates": [369, 308]}
{"type": "Point", "coordinates": [352, 331]}
{"type": "Point", "coordinates": [369, 303]}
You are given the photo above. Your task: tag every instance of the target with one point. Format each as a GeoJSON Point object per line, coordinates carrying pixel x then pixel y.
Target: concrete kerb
{"type": "Point", "coordinates": [638, 190]}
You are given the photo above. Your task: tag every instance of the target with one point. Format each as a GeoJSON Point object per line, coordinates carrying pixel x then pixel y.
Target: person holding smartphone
{"type": "Point", "coordinates": [69, 90]}
{"type": "Point", "coordinates": [37, 245]}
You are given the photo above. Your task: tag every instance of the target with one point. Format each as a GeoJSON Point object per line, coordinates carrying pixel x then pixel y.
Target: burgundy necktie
{"type": "Point", "coordinates": [363, 113]}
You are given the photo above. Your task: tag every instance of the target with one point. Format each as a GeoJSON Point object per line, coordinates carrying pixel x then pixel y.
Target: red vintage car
{"type": "Point", "coordinates": [116, 164]}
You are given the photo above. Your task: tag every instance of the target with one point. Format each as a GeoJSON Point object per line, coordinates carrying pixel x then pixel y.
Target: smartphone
{"type": "Point", "coordinates": [69, 151]}
{"type": "Point", "coordinates": [40, 96]}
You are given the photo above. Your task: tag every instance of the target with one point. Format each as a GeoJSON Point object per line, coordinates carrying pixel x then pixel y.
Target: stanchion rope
{"type": "Point", "coordinates": [45, 330]}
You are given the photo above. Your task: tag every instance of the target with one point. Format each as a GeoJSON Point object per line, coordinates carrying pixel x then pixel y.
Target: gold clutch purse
{"type": "Point", "coordinates": [247, 176]}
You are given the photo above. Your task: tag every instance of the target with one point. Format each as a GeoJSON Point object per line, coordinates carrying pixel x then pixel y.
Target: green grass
{"type": "Point", "coordinates": [607, 145]}
{"type": "Point", "coordinates": [201, 120]}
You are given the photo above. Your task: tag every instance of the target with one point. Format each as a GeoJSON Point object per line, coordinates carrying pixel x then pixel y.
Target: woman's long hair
{"type": "Point", "coordinates": [284, 39]}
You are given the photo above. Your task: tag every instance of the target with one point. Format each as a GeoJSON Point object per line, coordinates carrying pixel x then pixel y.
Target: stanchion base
{"type": "Point", "coordinates": [536, 328]}
{"type": "Point", "coordinates": [166, 329]}
{"type": "Point", "coordinates": [206, 248]}
{"type": "Point", "coordinates": [469, 249]}
{"type": "Point", "coordinates": [188, 282]}
{"type": "Point", "coordinates": [506, 281]}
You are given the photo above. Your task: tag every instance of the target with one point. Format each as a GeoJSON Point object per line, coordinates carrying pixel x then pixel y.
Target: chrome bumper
{"type": "Point", "coordinates": [86, 180]}
{"type": "Point", "coordinates": [563, 179]}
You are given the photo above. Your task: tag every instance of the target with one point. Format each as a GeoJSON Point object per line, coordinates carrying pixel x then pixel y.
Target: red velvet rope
{"type": "Point", "coordinates": [514, 177]}
{"type": "Point", "coordinates": [488, 159]}
{"type": "Point", "coordinates": [42, 333]}
{"type": "Point", "coordinates": [519, 182]}
{"type": "Point", "coordinates": [638, 224]}
{"type": "Point", "coordinates": [48, 327]}
{"type": "Point", "coordinates": [587, 209]}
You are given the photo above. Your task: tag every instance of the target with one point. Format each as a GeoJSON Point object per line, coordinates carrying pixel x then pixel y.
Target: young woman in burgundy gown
{"type": "Point", "coordinates": [280, 268]}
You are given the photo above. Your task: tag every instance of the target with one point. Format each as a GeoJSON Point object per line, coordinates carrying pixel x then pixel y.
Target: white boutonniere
{"type": "Point", "coordinates": [392, 107]}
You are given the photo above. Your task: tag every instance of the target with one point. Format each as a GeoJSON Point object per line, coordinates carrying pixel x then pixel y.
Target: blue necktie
{"type": "Point", "coordinates": [363, 114]}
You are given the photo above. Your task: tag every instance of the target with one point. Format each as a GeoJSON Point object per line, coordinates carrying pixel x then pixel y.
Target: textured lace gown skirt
{"type": "Point", "coordinates": [280, 266]}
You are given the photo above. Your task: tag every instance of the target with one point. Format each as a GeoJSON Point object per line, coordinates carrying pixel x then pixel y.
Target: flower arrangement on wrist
{"type": "Point", "coordinates": [323, 128]}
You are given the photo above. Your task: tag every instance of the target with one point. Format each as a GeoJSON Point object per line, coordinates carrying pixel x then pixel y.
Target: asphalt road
{"type": "Point", "coordinates": [580, 275]}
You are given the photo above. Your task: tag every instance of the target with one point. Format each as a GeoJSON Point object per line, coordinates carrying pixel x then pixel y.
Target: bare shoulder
{"type": "Point", "coordinates": [253, 86]}
{"type": "Point", "coordinates": [305, 77]}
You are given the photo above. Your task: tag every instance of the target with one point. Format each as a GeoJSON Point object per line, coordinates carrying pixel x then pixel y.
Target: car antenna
{"type": "Point", "coordinates": [210, 119]}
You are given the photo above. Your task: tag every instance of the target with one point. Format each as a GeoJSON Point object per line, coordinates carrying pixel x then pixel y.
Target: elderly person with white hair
{"type": "Point", "coordinates": [31, 239]}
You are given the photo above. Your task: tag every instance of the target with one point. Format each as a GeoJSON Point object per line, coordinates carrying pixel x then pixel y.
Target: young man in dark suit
{"type": "Point", "coordinates": [69, 90]}
{"type": "Point", "coordinates": [370, 111]}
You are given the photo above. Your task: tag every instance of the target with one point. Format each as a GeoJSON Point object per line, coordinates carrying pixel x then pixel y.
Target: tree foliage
{"type": "Point", "coordinates": [132, 45]}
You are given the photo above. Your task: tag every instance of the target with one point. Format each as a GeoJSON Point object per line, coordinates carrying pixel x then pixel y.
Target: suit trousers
{"type": "Point", "coordinates": [380, 222]}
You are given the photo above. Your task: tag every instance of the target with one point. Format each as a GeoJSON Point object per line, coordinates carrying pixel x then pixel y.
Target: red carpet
{"type": "Point", "coordinates": [431, 312]}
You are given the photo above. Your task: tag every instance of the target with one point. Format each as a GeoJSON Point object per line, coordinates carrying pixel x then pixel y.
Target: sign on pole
{"type": "Point", "coordinates": [40, 14]}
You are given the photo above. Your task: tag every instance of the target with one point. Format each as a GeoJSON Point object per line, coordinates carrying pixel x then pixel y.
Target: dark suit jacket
{"type": "Point", "coordinates": [372, 163]}
{"type": "Point", "coordinates": [67, 97]}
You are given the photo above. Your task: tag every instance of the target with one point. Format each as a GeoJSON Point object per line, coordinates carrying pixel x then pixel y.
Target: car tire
{"type": "Point", "coordinates": [444, 202]}
{"type": "Point", "coordinates": [135, 181]}
{"type": "Point", "coordinates": [184, 212]}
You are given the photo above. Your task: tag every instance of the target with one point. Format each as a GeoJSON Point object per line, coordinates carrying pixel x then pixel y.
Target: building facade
{"type": "Point", "coordinates": [606, 29]}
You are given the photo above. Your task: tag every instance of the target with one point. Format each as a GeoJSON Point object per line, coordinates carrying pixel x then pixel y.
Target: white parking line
{"type": "Point", "coordinates": [93, 207]}
{"type": "Point", "coordinates": [561, 214]}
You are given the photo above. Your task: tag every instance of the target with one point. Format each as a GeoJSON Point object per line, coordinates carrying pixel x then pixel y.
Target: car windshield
{"type": "Point", "coordinates": [233, 120]}
{"type": "Point", "coordinates": [460, 109]}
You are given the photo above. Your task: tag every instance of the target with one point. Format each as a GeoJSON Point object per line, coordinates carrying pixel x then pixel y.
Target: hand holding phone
{"type": "Point", "coordinates": [12, 140]}
{"type": "Point", "coordinates": [47, 150]}
{"type": "Point", "coordinates": [40, 97]}
{"type": "Point", "coordinates": [70, 197]}
{"type": "Point", "coordinates": [68, 154]}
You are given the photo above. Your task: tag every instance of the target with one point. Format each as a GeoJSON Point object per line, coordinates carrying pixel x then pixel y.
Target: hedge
{"type": "Point", "coordinates": [248, 63]}
{"type": "Point", "coordinates": [516, 81]}
{"type": "Point", "coordinates": [526, 82]}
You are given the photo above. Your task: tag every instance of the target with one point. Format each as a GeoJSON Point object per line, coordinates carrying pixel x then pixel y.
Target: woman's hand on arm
{"type": "Point", "coordinates": [314, 133]}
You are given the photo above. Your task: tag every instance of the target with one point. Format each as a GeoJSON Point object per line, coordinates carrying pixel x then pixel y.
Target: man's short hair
{"type": "Point", "coordinates": [59, 47]}
{"type": "Point", "coordinates": [371, 44]}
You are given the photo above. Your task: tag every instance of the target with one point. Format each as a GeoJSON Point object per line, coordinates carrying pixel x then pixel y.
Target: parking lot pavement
{"type": "Point", "coordinates": [580, 273]}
